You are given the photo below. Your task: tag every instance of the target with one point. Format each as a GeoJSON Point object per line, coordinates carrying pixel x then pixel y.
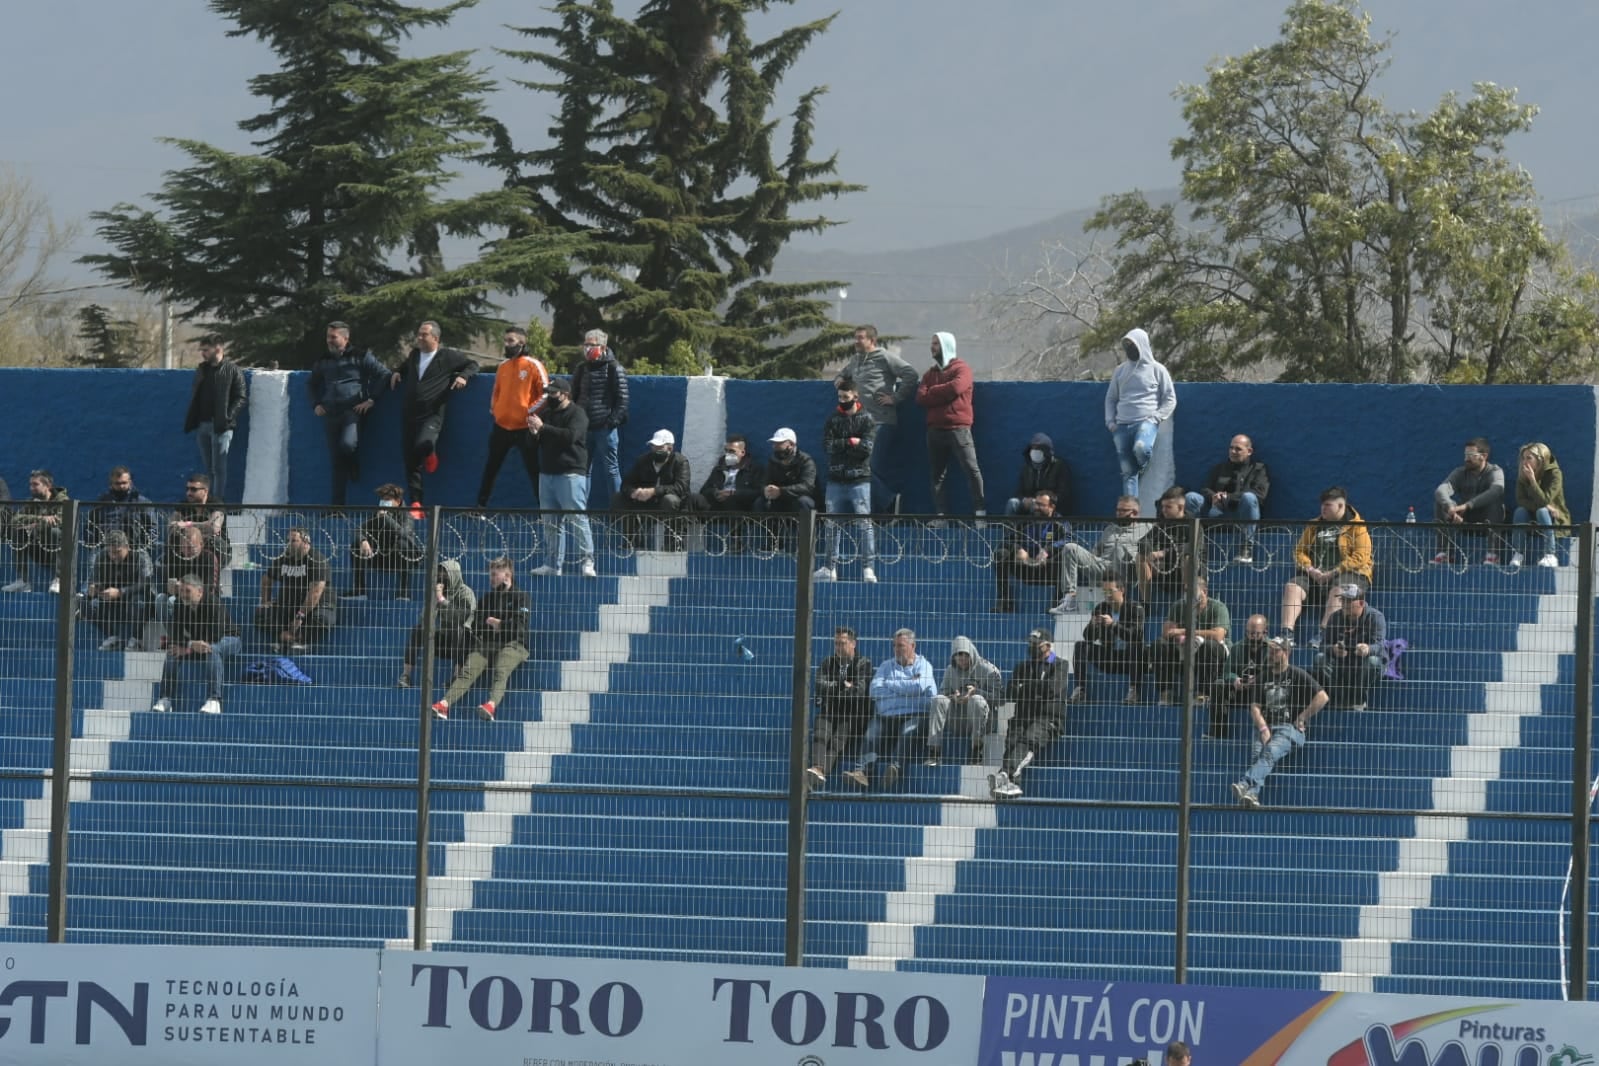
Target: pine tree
{"type": "Point", "coordinates": [337, 212]}
{"type": "Point", "coordinates": [663, 174]}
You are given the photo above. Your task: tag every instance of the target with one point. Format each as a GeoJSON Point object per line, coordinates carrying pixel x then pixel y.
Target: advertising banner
{"type": "Point", "coordinates": [523, 1010]}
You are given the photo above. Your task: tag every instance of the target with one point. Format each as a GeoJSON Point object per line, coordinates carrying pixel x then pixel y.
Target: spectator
{"type": "Point", "coordinates": [790, 481]}
{"type": "Point", "coordinates": [843, 697]}
{"type": "Point", "coordinates": [117, 598]}
{"type": "Point", "coordinates": [123, 507]}
{"type": "Point", "coordinates": [386, 542]}
{"type": "Point", "coordinates": [884, 381]}
{"type": "Point", "coordinates": [658, 483]}
{"type": "Point", "coordinates": [1245, 662]}
{"type": "Point", "coordinates": [1236, 486]}
{"type": "Point", "coordinates": [599, 387]}
{"type": "Point", "coordinates": [1140, 397]}
{"type": "Point", "coordinates": [848, 438]}
{"type": "Point", "coordinates": [562, 429]}
{"type": "Point", "coordinates": [1112, 642]}
{"type": "Point", "coordinates": [1284, 700]}
{"type": "Point", "coordinates": [902, 688]}
{"type": "Point", "coordinates": [201, 630]}
{"type": "Point", "coordinates": [1473, 494]}
{"type": "Point", "coordinates": [1115, 554]}
{"type": "Point", "coordinates": [344, 385]}
{"type": "Point", "coordinates": [500, 633]}
{"type": "Point", "coordinates": [1540, 498]}
{"type": "Point", "coordinates": [1034, 553]}
{"type": "Point", "coordinates": [1354, 650]}
{"type": "Point", "coordinates": [454, 605]}
{"type": "Point", "coordinates": [1212, 632]}
{"type": "Point", "coordinates": [946, 392]}
{"type": "Point", "coordinates": [215, 400]}
{"type": "Point", "coordinates": [1038, 687]}
{"type": "Point", "coordinates": [1177, 1054]}
{"type": "Point", "coordinates": [200, 509]}
{"type": "Point", "coordinates": [296, 596]}
{"type": "Point", "coordinates": [1041, 469]}
{"type": "Point", "coordinates": [731, 489]}
{"type": "Point", "coordinates": [36, 531]}
{"type": "Point", "coordinates": [429, 374]}
{"type": "Point", "coordinates": [1164, 552]}
{"type": "Point", "coordinates": [971, 685]}
{"type": "Point", "coordinates": [518, 392]}
{"type": "Point", "coordinates": [1334, 551]}
{"type": "Point", "coordinates": [187, 555]}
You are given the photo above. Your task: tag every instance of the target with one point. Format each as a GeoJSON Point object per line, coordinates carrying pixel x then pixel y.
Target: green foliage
{"type": "Point", "coordinates": [680, 361]}
{"type": "Point", "coordinates": [109, 341]}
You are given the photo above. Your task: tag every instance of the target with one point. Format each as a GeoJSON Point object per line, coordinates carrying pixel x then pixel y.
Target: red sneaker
{"type": "Point", "coordinates": [431, 463]}
{"type": "Point", "coordinates": [417, 513]}
{"type": "Point", "coordinates": [485, 710]}
{"type": "Point", "coordinates": [441, 710]}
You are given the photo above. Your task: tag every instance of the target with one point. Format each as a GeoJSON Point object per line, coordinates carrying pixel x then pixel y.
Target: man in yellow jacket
{"type": "Point", "coordinates": [1333, 551]}
{"type": "Point", "coordinates": [518, 392]}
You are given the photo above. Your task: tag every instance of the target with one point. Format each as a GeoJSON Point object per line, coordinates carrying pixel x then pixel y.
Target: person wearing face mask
{"type": "Point", "coordinates": [790, 479]}
{"type": "Point", "coordinates": [1041, 470]}
{"type": "Point", "coordinates": [344, 385]}
{"type": "Point", "coordinates": [658, 482]}
{"type": "Point", "coordinates": [215, 400]}
{"type": "Point", "coordinates": [124, 508]}
{"type": "Point", "coordinates": [599, 386]}
{"type": "Point", "coordinates": [730, 489]}
{"type": "Point", "coordinates": [946, 392]}
{"type": "Point", "coordinates": [518, 392]}
{"type": "Point", "coordinates": [500, 637]}
{"type": "Point", "coordinates": [847, 438]}
{"type": "Point", "coordinates": [1141, 396]}
{"type": "Point", "coordinates": [387, 542]}
{"type": "Point", "coordinates": [562, 431]}
{"type": "Point", "coordinates": [430, 373]}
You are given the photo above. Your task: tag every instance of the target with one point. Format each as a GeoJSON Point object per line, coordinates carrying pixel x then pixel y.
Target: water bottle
{"type": "Point", "coordinates": [1410, 517]}
{"type": "Point", "coordinates": [742, 650]}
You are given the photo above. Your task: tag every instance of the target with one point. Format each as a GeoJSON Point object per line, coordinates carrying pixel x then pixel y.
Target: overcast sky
{"type": "Point", "coordinates": [964, 117]}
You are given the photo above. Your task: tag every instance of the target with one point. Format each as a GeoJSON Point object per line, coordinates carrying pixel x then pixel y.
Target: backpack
{"type": "Point", "coordinates": [1394, 649]}
{"type": "Point", "coordinates": [276, 670]}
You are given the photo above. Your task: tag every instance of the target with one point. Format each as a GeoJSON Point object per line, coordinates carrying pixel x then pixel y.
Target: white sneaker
{"type": "Point", "coordinates": [162, 706]}
{"type": "Point", "coordinates": [1067, 605]}
{"type": "Point", "coordinates": [868, 575]}
{"type": "Point", "coordinates": [211, 707]}
{"type": "Point", "coordinates": [55, 585]}
{"type": "Point", "coordinates": [18, 585]}
{"type": "Point", "coordinates": [1516, 560]}
{"type": "Point", "coordinates": [111, 644]}
{"type": "Point", "coordinates": [980, 524]}
{"type": "Point", "coordinates": [825, 573]}
{"type": "Point", "coordinates": [135, 645]}
{"type": "Point", "coordinates": [546, 571]}
{"type": "Point", "coordinates": [587, 569]}
{"type": "Point", "coordinates": [1549, 560]}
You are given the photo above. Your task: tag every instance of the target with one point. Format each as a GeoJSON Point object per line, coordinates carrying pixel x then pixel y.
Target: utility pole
{"type": "Point", "coordinates": [166, 330]}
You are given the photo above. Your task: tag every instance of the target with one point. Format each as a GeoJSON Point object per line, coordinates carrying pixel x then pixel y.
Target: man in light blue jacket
{"type": "Point", "coordinates": [1141, 396]}
{"type": "Point", "coordinates": [902, 691]}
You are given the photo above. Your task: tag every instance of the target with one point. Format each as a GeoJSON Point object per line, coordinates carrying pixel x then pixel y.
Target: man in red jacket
{"type": "Point", "coordinates": [946, 392]}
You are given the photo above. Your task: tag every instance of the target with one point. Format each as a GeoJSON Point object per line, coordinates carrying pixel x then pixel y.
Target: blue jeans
{"type": "Point", "coordinates": [214, 457]}
{"type": "Point", "coordinates": [886, 481]}
{"type": "Point", "coordinates": [1246, 505]}
{"type": "Point", "coordinates": [899, 728]}
{"type": "Point", "coordinates": [852, 499]}
{"type": "Point", "coordinates": [1285, 740]}
{"type": "Point", "coordinates": [566, 492]}
{"type": "Point", "coordinates": [602, 463]}
{"type": "Point", "coordinates": [1134, 445]}
{"type": "Point", "coordinates": [1545, 520]}
{"type": "Point", "coordinates": [226, 648]}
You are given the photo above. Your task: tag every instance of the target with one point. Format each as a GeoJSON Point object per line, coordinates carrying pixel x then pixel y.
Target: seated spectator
{"type": "Point", "coordinates": [1284, 700]}
{"type": "Point", "coordinates": [201, 631]}
{"type": "Point", "coordinates": [36, 531]}
{"type": "Point", "coordinates": [123, 507]}
{"type": "Point", "coordinates": [117, 598]}
{"type": "Point", "coordinates": [386, 542]}
{"type": "Point", "coordinates": [1245, 662]}
{"type": "Point", "coordinates": [1353, 650]}
{"type": "Point", "coordinates": [844, 702]}
{"type": "Point", "coordinates": [1334, 551]}
{"type": "Point", "coordinates": [187, 553]}
{"type": "Point", "coordinates": [1540, 498]}
{"type": "Point", "coordinates": [1164, 551]}
{"type": "Point", "coordinates": [1115, 554]}
{"type": "Point", "coordinates": [731, 489]}
{"type": "Point", "coordinates": [971, 685]}
{"type": "Point", "coordinates": [790, 479]}
{"type": "Point", "coordinates": [199, 509]}
{"type": "Point", "coordinates": [296, 596]}
{"type": "Point", "coordinates": [902, 689]}
{"type": "Point", "coordinates": [1041, 469]}
{"type": "Point", "coordinates": [1236, 487]}
{"type": "Point", "coordinates": [1212, 632]}
{"type": "Point", "coordinates": [500, 638]}
{"type": "Point", "coordinates": [658, 482]}
{"type": "Point", "coordinates": [454, 606]}
{"type": "Point", "coordinates": [1033, 553]}
{"type": "Point", "coordinates": [848, 437]}
{"type": "Point", "coordinates": [1112, 642]}
{"type": "Point", "coordinates": [1473, 494]}
{"type": "Point", "coordinates": [1038, 688]}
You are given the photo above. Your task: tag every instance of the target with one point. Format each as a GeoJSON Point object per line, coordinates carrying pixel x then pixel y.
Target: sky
{"type": "Point", "coordinates": [963, 117]}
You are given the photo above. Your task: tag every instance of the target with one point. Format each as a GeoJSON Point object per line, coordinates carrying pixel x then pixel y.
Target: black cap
{"type": "Point", "coordinates": [557, 385]}
{"type": "Point", "coordinates": [1040, 636]}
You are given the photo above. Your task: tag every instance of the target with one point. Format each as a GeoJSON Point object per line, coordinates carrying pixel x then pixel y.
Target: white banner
{"type": "Point", "coordinates": [69, 1004]}
{"type": "Point", "coordinates": [523, 1010]}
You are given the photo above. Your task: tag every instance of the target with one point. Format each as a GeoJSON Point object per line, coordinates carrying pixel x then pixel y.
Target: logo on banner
{"type": "Point", "coordinates": [1466, 1041]}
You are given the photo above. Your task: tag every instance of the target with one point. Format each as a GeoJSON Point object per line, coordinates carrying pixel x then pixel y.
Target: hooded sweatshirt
{"type": "Point", "coordinates": [879, 371]}
{"type": "Point", "coordinates": [1052, 474]}
{"type": "Point", "coordinates": [1141, 390]}
{"type": "Point", "coordinates": [460, 602]}
{"type": "Point", "coordinates": [946, 389]}
{"type": "Point", "coordinates": [982, 675]}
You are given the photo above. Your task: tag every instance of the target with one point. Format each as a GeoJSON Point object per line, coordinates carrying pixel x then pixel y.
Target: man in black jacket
{"type": "Point", "coordinates": [1041, 470]}
{"type": "Point", "coordinates": [848, 438]}
{"type": "Point", "coordinates": [500, 631]}
{"type": "Point", "coordinates": [387, 541]}
{"type": "Point", "coordinates": [201, 630]}
{"type": "Point", "coordinates": [215, 401]}
{"type": "Point", "coordinates": [599, 386]}
{"type": "Point", "coordinates": [1113, 642]}
{"type": "Point", "coordinates": [117, 598]}
{"type": "Point", "coordinates": [790, 483]}
{"type": "Point", "coordinates": [303, 608]}
{"type": "Point", "coordinates": [344, 385]}
{"type": "Point", "coordinates": [844, 699]}
{"type": "Point", "coordinates": [429, 374]}
{"type": "Point", "coordinates": [1238, 488]}
{"type": "Point", "coordinates": [562, 427]}
{"type": "Point", "coordinates": [1038, 688]}
{"type": "Point", "coordinates": [658, 482]}
{"type": "Point", "coordinates": [123, 507]}
{"type": "Point", "coordinates": [731, 488]}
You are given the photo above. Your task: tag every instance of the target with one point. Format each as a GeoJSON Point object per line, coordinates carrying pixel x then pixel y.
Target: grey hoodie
{"type": "Point", "coordinates": [982, 674]}
{"type": "Point", "coordinates": [1140, 391]}
{"type": "Point", "coordinates": [460, 602]}
{"type": "Point", "coordinates": [1118, 544]}
{"type": "Point", "coordinates": [879, 371]}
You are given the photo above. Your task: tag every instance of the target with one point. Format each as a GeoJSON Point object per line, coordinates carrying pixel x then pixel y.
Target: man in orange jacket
{"type": "Point", "coordinates": [518, 391]}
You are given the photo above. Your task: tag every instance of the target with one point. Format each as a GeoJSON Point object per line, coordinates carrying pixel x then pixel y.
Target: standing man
{"type": "Point", "coordinates": [883, 381]}
{"type": "Point", "coordinates": [1285, 699]}
{"type": "Point", "coordinates": [902, 690]}
{"type": "Point", "coordinates": [1038, 687]}
{"type": "Point", "coordinates": [344, 384]}
{"type": "Point", "coordinates": [430, 373]}
{"type": "Point", "coordinates": [215, 401]}
{"type": "Point", "coordinates": [1141, 396]}
{"type": "Point", "coordinates": [1238, 487]}
{"type": "Point", "coordinates": [849, 437]}
{"type": "Point", "coordinates": [518, 392]}
{"type": "Point", "coordinates": [946, 392]}
{"type": "Point", "coordinates": [562, 430]}
{"type": "Point", "coordinates": [843, 696]}
{"type": "Point", "coordinates": [599, 386]}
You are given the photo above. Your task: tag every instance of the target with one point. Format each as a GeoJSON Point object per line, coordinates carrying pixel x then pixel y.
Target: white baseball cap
{"type": "Point", "coordinates": [662, 436]}
{"type": "Point", "coordinates": [784, 436]}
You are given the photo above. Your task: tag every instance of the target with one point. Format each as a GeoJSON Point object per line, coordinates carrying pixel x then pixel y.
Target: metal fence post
{"type": "Point", "coordinates": [61, 743]}
{"type": "Point", "coordinates": [1185, 762]}
{"type": "Point", "coordinates": [424, 747]}
{"type": "Point", "coordinates": [1581, 768]}
{"type": "Point", "coordinates": [799, 723]}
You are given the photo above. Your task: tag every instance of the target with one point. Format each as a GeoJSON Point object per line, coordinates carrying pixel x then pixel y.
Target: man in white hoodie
{"type": "Point", "coordinates": [1141, 396]}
